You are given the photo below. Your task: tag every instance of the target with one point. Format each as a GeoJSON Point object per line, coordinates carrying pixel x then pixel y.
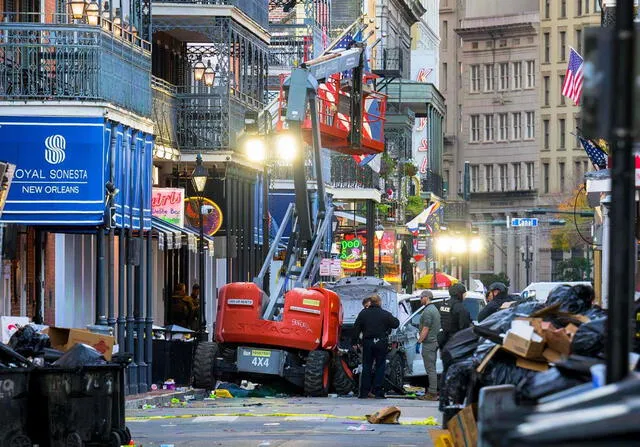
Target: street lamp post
{"type": "Point", "coordinates": [199, 180]}
{"type": "Point", "coordinates": [527, 256]}
{"type": "Point", "coordinates": [379, 234]}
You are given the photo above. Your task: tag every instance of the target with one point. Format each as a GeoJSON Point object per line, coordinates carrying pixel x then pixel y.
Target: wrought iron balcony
{"type": "Point", "coordinates": [346, 173]}
{"type": "Point", "coordinates": [165, 109]}
{"type": "Point", "coordinates": [390, 63]}
{"type": "Point", "coordinates": [431, 182]}
{"type": "Point", "coordinates": [257, 10]}
{"type": "Point", "coordinates": [56, 61]}
{"type": "Point", "coordinates": [279, 171]}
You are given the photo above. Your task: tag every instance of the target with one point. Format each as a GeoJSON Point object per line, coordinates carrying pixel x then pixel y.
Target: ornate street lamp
{"type": "Point", "coordinates": [199, 180]}
{"type": "Point", "coordinates": [198, 70]}
{"type": "Point", "coordinates": [379, 234]}
{"type": "Point", "coordinates": [93, 13]}
{"type": "Point", "coordinates": [209, 75]}
{"type": "Point", "coordinates": [77, 9]}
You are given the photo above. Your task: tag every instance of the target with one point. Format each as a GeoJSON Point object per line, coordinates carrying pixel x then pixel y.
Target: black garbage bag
{"type": "Point", "coordinates": [578, 366]}
{"type": "Point", "coordinates": [29, 342]}
{"type": "Point", "coordinates": [574, 300]}
{"type": "Point", "coordinates": [80, 355]}
{"type": "Point", "coordinates": [537, 386]}
{"type": "Point", "coordinates": [595, 313]}
{"type": "Point", "coordinates": [460, 346]}
{"type": "Point", "coordinates": [11, 359]}
{"type": "Point", "coordinates": [488, 334]}
{"type": "Point", "coordinates": [454, 384]}
{"type": "Point", "coordinates": [590, 338]}
{"type": "Point", "coordinates": [500, 322]}
{"type": "Point", "coordinates": [502, 370]}
{"type": "Point", "coordinates": [481, 351]}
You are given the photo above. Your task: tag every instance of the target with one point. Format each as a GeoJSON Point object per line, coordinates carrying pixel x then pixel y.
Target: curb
{"type": "Point", "coordinates": [164, 399]}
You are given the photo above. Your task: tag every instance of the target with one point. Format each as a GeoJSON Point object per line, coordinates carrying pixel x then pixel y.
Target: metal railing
{"type": "Point", "coordinates": [165, 111]}
{"type": "Point", "coordinates": [45, 61]}
{"type": "Point", "coordinates": [390, 60]}
{"type": "Point", "coordinates": [257, 10]}
{"type": "Point", "coordinates": [346, 173]}
{"type": "Point", "coordinates": [431, 182]}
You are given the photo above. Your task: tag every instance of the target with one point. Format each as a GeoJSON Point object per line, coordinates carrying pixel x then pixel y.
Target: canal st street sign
{"type": "Point", "coordinates": [524, 222]}
{"type": "Point", "coordinates": [59, 177]}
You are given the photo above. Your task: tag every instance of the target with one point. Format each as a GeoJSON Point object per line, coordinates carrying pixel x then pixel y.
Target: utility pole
{"type": "Point", "coordinates": [527, 256]}
{"type": "Point", "coordinates": [622, 266]}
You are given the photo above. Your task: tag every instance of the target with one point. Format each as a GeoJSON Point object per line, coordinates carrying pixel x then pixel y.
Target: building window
{"type": "Point", "coordinates": [585, 166]}
{"type": "Point", "coordinates": [586, 6]}
{"type": "Point", "coordinates": [488, 128]}
{"type": "Point", "coordinates": [517, 75]}
{"type": "Point", "coordinates": [445, 34]}
{"type": "Point", "coordinates": [516, 42]}
{"type": "Point", "coordinates": [445, 74]}
{"type": "Point", "coordinates": [516, 126]}
{"type": "Point", "coordinates": [475, 78]}
{"type": "Point", "coordinates": [503, 123]}
{"type": "Point", "coordinates": [577, 172]}
{"type": "Point", "coordinates": [579, 7]}
{"type": "Point", "coordinates": [547, 92]}
{"type": "Point", "coordinates": [562, 97]}
{"type": "Point", "coordinates": [504, 76]}
{"type": "Point", "coordinates": [545, 130]}
{"type": "Point", "coordinates": [545, 177]}
{"type": "Point", "coordinates": [475, 178]}
{"type": "Point", "coordinates": [563, 45]}
{"type": "Point", "coordinates": [547, 48]}
{"type": "Point", "coordinates": [561, 172]}
{"type": "Point", "coordinates": [530, 126]}
{"type": "Point", "coordinates": [531, 74]}
{"type": "Point", "coordinates": [488, 177]}
{"type": "Point", "coordinates": [516, 176]}
{"type": "Point", "coordinates": [488, 78]}
{"type": "Point", "coordinates": [563, 9]}
{"type": "Point", "coordinates": [547, 9]}
{"type": "Point", "coordinates": [579, 40]}
{"type": "Point", "coordinates": [561, 133]}
{"type": "Point", "coordinates": [474, 45]}
{"type": "Point", "coordinates": [475, 128]}
{"type": "Point", "coordinates": [504, 178]}
{"type": "Point", "coordinates": [530, 175]}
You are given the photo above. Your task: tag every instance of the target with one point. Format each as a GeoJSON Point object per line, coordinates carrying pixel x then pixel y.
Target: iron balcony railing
{"type": "Point", "coordinates": [47, 61]}
{"type": "Point", "coordinates": [165, 111]}
{"type": "Point", "coordinates": [346, 173]}
{"type": "Point", "coordinates": [257, 10]}
{"type": "Point", "coordinates": [390, 62]}
{"type": "Point", "coordinates": [432, 182]}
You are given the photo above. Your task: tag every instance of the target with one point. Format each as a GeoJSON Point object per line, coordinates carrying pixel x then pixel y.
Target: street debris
{"type": "Point", "coordinates": [388, 415]}
{"type": "Point", "coordinates": [361, 427]}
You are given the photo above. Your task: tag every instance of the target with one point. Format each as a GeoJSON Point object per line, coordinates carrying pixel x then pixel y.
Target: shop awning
{"type": "Point", "coordinates": [170, 236]}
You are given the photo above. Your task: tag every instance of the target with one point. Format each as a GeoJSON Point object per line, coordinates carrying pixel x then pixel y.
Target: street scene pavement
{"type": "Point", "coordinates": [292, 421]}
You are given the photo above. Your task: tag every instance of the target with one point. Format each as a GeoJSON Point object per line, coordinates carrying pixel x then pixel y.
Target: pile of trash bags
{"type": "Point", "coordinates": [466, 351]}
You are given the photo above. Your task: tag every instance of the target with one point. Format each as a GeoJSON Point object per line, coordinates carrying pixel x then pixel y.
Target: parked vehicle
{"type": "Point", "coordinates": [541, 290]}
{"type": "Point", "coordinates": [411, 307]}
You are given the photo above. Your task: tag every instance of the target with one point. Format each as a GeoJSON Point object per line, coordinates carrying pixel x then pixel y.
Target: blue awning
{"type": "Point", "coordinates": [171, 236]}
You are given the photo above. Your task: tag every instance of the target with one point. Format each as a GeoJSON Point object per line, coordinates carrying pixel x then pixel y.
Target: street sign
{"type": "Point", "coordinates": [422, 245]}
{"type": "Point", "coordinates": [336, 267]}
{"type": "Point", "coordinates": [325, 267]}
{"type": "Point", "coordinates": [524, 221]}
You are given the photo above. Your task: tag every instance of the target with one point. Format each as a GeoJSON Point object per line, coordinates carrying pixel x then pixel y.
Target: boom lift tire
{"type": "Point", "coordinates": [395, 374]}
{"type": "Point", "coordinates": [343, 382]}
{"type": "Point", "coordinates": [204, 358]}
{"type": "Point", "coordinates": [316, 374]}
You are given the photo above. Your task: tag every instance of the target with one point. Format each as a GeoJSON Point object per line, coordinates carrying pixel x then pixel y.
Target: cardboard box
{"type": "Point", "coordinates": [463, 428]}
{"type": "Point", "coordinates": [441, 438]}
{"type": "Point", "coordinates": [552, 356]}
{"type": "Point", "coordinates": [532, 365]}
{"type": "Point", "coordinates": [64, 339]}
{"type": "Point", "coordinates": [10, 325]}
{"type": "Point", "coordinates": [521, 346]}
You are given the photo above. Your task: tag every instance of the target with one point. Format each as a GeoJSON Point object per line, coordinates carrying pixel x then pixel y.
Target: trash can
{"type": "Point", "coordinates": [78, 407]}
{"type": "Point", "coordinates": [14, 407]}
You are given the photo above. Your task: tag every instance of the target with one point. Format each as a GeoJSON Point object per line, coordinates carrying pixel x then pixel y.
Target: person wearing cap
{"type": "Point", "coordinates": [454, 316]}
{"type": "Point", "coordinates": [496, 296]}
{"type": "Point", "coordinates": [428, 336]}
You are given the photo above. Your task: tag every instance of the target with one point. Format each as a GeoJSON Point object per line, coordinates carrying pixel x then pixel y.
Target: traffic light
{"type": "Point", "coordinates": [6, 175]}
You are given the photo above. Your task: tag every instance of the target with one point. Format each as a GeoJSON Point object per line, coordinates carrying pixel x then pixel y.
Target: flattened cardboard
{"type": "Point", "coordinates": [551, 356]}
{"type": "Point", "coordinates": [532, 365]}
{"type": "Point", "coordinates": [463, 428]}
{"type": "Point", "coordinates": [64, 339]}
{"type": "Point", "coordinates": [522, 347]}
{"type": "Point", "coordinates": [488, 358]}
{"type": "Point", "coordinates": [558, 340]}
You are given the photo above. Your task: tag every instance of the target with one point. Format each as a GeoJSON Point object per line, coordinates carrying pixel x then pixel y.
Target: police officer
{"type": "Point", "coordinates": [453, 315]}
{"type": "Point", "coordinates": [496, 296]}
{"type": "Point", "coordinates": [375, 325]}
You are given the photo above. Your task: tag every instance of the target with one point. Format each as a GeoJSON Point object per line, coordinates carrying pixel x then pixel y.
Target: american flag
{"type": "Point", "coordinates": [572, 87]}
{"type": "Point", "coordinates": [597, 156]}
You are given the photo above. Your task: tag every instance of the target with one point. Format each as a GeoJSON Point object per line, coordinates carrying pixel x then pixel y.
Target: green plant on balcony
{"type": "Point", "coordinates": [414, 206]}
{"type": "Point", "coordinates": [387, 166]}
{"type": "Point", "coordinates": [383, 209]}
{"type": "Point", "coordinates": [410, 169]}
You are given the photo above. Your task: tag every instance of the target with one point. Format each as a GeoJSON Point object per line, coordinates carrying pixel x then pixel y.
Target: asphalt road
{"type": "Point", "coordinates": [282, 422]}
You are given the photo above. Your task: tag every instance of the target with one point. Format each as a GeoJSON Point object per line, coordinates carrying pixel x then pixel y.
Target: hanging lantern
{"type": "Point", "coordinates": [209, 75]}
{"type": "Point", "coordinates": [198, 70]}
{"type": "Point", "coordinates": [93, 13]}
{"type": "Point", "coordinates": [77, 9]}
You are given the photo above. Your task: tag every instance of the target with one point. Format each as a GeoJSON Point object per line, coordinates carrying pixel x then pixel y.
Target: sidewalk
{"type": "Point", "coordinates": [161, 398]}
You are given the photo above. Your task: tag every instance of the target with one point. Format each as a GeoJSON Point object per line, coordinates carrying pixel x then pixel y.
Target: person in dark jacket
{"type": "Point", "coordinates": [454, 316]}
{"type": "Point", "coordinates": [497, 296]}
{"type": "Point", "coordinates": [375, 325]}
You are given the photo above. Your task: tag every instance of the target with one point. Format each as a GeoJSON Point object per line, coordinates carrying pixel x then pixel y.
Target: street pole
{"type": "Point", "coordinates": [265, 226]}
{"type": "Point", "coordinates": [527, 262]}
{"type": "Point", "coordinates": [380, 275]}
{"type": "Point", "coordinates": [622, 267]}
{"type": "Point", "coordinates": [201, 279]}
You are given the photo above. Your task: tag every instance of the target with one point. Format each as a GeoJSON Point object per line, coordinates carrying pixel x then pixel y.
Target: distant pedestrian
{"type": "Point", "coordinates": [429, 329]}
{"type": "Point", "coordinates": [194, 318]}
{"type": "Point", "coordinates": [375, 325]}
{"type": "Point", "coordinates": [496, 297]}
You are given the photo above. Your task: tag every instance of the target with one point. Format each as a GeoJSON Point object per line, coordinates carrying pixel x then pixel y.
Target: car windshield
{"type": "Point", "coordinates": [474, 307]}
